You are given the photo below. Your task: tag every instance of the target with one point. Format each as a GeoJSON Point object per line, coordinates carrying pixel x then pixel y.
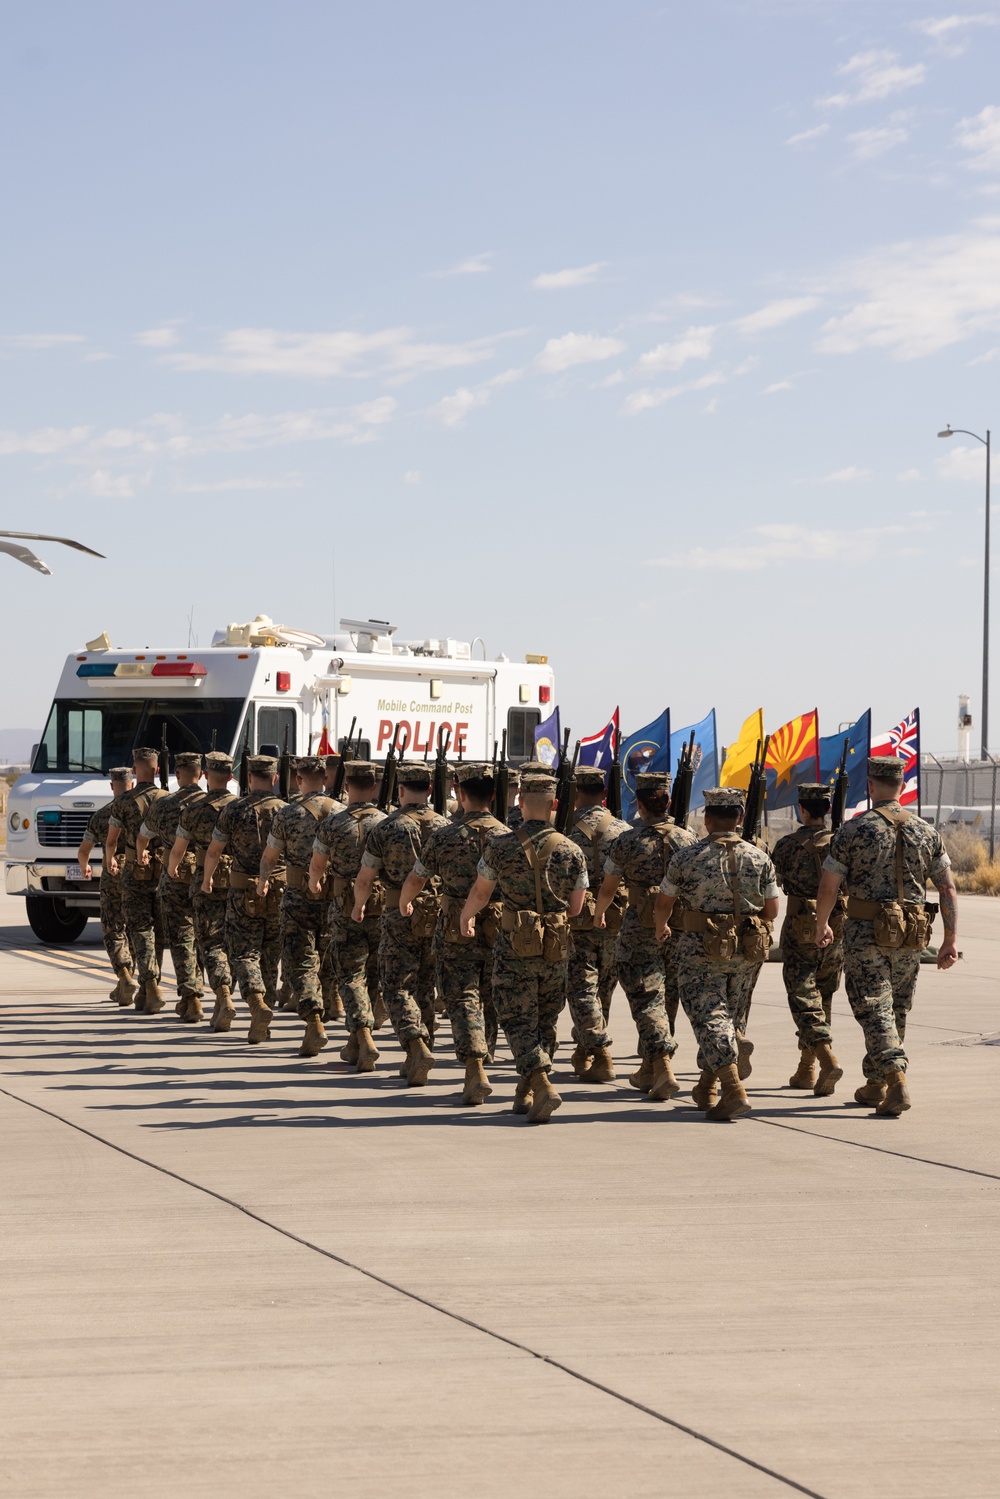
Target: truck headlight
{"type": "Point", "coordinates": [15, 821]}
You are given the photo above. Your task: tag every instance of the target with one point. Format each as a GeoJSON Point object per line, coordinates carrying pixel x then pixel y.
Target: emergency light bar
{"type": "Point", "coordinates": [188, 669]}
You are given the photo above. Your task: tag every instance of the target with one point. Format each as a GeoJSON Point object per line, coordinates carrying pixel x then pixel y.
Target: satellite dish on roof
{"type": "Point", "coordinates": [27, 556]}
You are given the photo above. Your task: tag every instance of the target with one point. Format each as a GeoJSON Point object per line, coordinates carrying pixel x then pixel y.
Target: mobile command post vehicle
{"type": "Point", "coordinates": [257, 684]}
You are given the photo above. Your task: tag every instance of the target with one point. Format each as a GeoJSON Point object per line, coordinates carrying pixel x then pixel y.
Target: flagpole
{"type": "Point", "coordinates": [951, 431]}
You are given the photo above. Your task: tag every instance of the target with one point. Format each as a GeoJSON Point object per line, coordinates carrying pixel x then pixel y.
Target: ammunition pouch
{"type": "Point", "coordinates": [533, 935]}
{"type": "Point", "coordinates": [801, 913]}
{"type": "Point", "coordinates": [642, 900]}
{"type": "Point", "coordinates": [144, 872]}
{"type": "Point", "coordinates": [340, 891]}
{"type": "Point", "coordinates": [487, 923]}
{"type": "Point", "coordinates": [613, 916]}
{"type": "Point", "coordinates": [223, 870]}
{"type": "Point", "coordinates": [256, 905]}
{"type": "Point", "coordinates": [186, 869]}
{"type": "Point", "coordinates": [756, 938]}
{"type": "Point", "coordinates": [426, 907]}
{"type": "Point", "coordinates": [298, 879]}
{"type": "Point", "coordinates": [726, 937]}
{"type": "Point", "coordinates": [897, 924]}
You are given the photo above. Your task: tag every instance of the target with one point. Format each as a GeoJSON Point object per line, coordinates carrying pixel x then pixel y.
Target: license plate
{"type": "Point", "coordinates": [74, 872]}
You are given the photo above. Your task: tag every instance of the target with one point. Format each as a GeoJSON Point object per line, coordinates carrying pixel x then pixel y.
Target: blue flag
{"type": "Point", "coordinates": [706, 760]}
{"type": "Point", "coordinates": [599, 749]}
{"type": "Point", "coordinates": [649, 749]}
{"type": "Point", "coordinates": [548, 740]}
{"type": "Point", "coordinates": [831, 748]}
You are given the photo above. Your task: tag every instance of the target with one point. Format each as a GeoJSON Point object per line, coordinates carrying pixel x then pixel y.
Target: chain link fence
{"type": "Point", "coordinates": [953, 791]}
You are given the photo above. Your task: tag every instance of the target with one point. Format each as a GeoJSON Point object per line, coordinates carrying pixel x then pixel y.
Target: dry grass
{"type": "Point", "coordinates": [970, 862]}
{"type": "Point", "coordinates": [982, 881]}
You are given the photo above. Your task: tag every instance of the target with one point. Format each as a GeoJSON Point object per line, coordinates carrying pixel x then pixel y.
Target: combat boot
{"type": "Point", "coordinates": [152, 997]}
{"type": "Point", "coordinates": [734, 1103]}
{"type": "Point", "coordinates": [602, 1068]}
{"type": "Point", "coordinates": [830, 1071]}
{"type": "Point", "coordinates": [580, 1062]}
{"type": "Point", "coordinates": [744, 1066]}
{"type": "Point", "coordinates": [334, 1008]}
{"type": "Point", "coordinates": [419, 1061]}
{"type": "Point", "coordinates": [379, 1014]}
{"type": "Point", "coordinates": [127, 987]}
{"type": "Point", "coordinates": [897, 1098]}
{"type": "Point", "coordinates": [804, 1075]}
{"type": "Point", "coordinates": [366, 1052]}
{"type": "Point", "coordinates": [703, 1092]}
{"type": "Point", "coordinates": [349, 1051]}
{"type": "Point", "coordinates": [643, 1079]}
{"type": "Point", "coordinates": [477, 1085]}
{"type": "Point", "coordinates": [873, 1091]}
{"type": "Point", "coordinates": [315, 1037]}
{"type": "Point", "coordinates": [544, 1098]}
{"type": "Point", "coordinates": [225, 1011]}
{"type": "Point", "coordinates": [261, 1016]}
{"type": "Point", "coordinates": [664, 1084]}
{"type": "Point", "coordinates": [181, 1006]}
{"type": "Point", "coordinates": [522, 1096]}
{"type": "Point", "coordinates": [193, 1012]}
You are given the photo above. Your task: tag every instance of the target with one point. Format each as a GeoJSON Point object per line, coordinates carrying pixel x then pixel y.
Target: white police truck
{"type": "Point", "coordinates": [257, 684]}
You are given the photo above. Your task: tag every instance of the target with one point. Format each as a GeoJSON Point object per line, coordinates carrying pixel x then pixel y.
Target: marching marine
{"type": "Point", "coordinates": [112, 914]}
{"type": "Point", "coordinates": [811, 974]}
{"type": "Point", "coordinates": [159, 827]}
{"type": "Point", "coordinates": [193, 834]}
{"type": "Point", "coordinates": [884, 858]}
{"type": "Point", "coordinates": [139, 881]}
{"type": "Point", "coordinates": [591, 975]}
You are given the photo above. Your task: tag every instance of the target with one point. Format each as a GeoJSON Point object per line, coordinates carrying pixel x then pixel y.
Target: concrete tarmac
{"type": "Point", "coordinates": [231, 1272]}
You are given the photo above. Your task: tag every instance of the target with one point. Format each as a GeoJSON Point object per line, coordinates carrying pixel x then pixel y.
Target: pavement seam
{"type": "Point", "coordinates": [425, 1301]}
{"type": "Point", "coordinates": [901, 1155]}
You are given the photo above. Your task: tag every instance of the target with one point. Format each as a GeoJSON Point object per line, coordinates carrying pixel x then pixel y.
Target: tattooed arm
{"type": "Point", "coordinates": [948, 896]}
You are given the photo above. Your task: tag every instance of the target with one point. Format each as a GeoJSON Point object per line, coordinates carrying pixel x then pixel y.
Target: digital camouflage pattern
{"type": "Point", "coordinates": [464, 969]}
{"type": "Point", "coordinates": [176, 907]}
{"type": "Point", "coordinates": [811, 974]}
{"type": "Point", "coordinates": [243, 826]}
{"type": "Point", "coordinates": [139, 902]}
{"type": "Point", "coordinates": [351, 959]}
{"type": "Point", "coordinates": [112, 913]}
{"type": "Point", "coordinates": [715, 992]}
{"type": "Point", "coordinates": [303, 916]}
{"type": "Point", "coordinates": [529, 993]}
{"type": "Point", "coordinates": [880, 982]}
{"type": "Point", "coordinates": [196, 824]}
{"type": "Point", "coordinates": [405, 961]}
{"type": "Point", "coordinates": [647, 969]}
{"type": "Point", "coordinates": [253, 936]}
{"type": "Point", "coordinates": [590, 979]}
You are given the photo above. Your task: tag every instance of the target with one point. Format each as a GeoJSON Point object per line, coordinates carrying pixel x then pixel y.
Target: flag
{"type": "Point", "coordinates": [706, 760]}
{"type": "Point", "coordinates": [648, 749]}
{"type": "Point", "coordinates": [599, 749]}
{"type": "Point", "coordinates": [548, 739]}
{"type": "Point", "coordinates": [904, 742]}
{"type": "Point", "coordinates": [736, 770]}
{"type": "Point", "coordinates": [792, 757]}
{"type": "Point", "coordinates": [831, 749]}
{"type": "Point", "coordinates": [324, 747]}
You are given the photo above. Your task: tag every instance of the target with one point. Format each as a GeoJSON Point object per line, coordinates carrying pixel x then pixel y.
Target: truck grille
{"type": "Point", "coordinates": [66, 833]}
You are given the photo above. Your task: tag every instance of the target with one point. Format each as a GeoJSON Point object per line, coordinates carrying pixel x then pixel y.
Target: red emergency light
{"type": "Point", "coordinates": [180, 669]}
{"type": "Point", "coordinates": [544, 693]}
{"type": "Point", "coordinates": [284, 681]}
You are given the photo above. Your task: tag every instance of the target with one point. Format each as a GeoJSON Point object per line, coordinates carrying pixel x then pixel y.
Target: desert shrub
{"type": "Point", "coordinates": [965, 847]}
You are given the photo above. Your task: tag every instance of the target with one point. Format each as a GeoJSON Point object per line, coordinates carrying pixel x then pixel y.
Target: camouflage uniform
{"type": "Point", "coordinates": [647, 969]}
{"type": "Point", "coordinates": [465, 968]}
{"type": "Point", "coordinates": [880, 981]}
{"type": "Point", "coordinates": [351, 957]}
{"type": "Point", "coordinates": [303, 916]}
{"type": "Point", "coordinates": [591, 976]}
{"type": "Point", "coordinates": [253, 939]}
{"type": "Point", "coordinates": [715, 991]}
{"type": "Point", "coordinates": [197, 823]}
{"type": "Point", "coordinates": [139, 904]}
{"type": "Point", "coordinates": [405, 960]}
{"type": "Point", "coordinates": [112, 912]}
{"type": "Point", "coordinates": [176, 911]}
{"type": "Point", "coordinates": [811, 973]}
{"type": "Point", "coordinates": [529, 992]}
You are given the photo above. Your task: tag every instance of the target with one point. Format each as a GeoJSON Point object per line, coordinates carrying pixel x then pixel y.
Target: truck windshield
{"type": "Point", "coordinates": [95, 735]}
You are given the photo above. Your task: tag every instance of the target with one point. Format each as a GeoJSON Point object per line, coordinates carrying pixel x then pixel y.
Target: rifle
{"type": "Point", "coordinates": [164, 765]}
{"type": "Point", "coordinates": [345, 756]}
{"type": "Point", "coordinates": [285, 771]}
{"type": "Point", "coordinates": [756, 792]}
{"type": "Point", "coordinates": [211, 747]}
{"type": "Point", "coordinates": [613, 798]}
{"type": "Point", "coordinates": [501, 796]}
{"type": "Point", "coordinates": [680, 801]}
{"type": "Point", "coordinates": [388, 787]}
{"type": "Point", "coordinates": [244, 781]}
{"type": "Point", "coordinates": [839, 801]}
{"type": "Point", "coordinates": [439, 775]}
{"type": "Point", "coordinates": [565, 788]}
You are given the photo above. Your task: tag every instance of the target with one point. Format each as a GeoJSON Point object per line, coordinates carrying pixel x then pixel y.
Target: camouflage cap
{"type": "Point", "coordinates": [145, 754]}
{"type": "Point", "coordinates": [361, 770]}
{"type": "Point", "coordinates": [885, 768]}
{"type": "Point", "coordinates": [413, 773]}
{"type": "Point", "coordinates": [812, 791]}
{"type": "Point", "coordinates": [534, 767]}
{"type": "Point", "coordinates": [538, 783]}
{"type": "Point", "coordinates": [725, 799]}
{"type": "Point", "coordinates": [473, 770]}
{"type": "Point", "coordinates": [262, 765]}
{"type": "Point", "coordinates": [513, 774]}
{"type": "Point", "coordinates": [652, 780]}
{"type": "Point", "coordinates": [119, 772]}
{"type": "Point", "coordinates": [216, 761]}
{"type": "Point", "coordinates": [309, 765]}
{"type": "Point", "coordinates": [187, 760]}
{"type": "Point", "coordinates": [589, 777]}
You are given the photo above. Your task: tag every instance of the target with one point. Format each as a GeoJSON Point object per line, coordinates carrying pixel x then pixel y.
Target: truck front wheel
{"type": "Point", "coordinates": [52, 921]}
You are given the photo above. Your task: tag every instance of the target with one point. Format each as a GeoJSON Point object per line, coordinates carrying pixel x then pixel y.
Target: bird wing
{"type": "Point", "coordinates": [23, 554]}
{"type": "Point", "coordinates": [65, 541]}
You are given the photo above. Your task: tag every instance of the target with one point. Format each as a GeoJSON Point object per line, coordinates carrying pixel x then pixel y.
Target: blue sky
{"type": "Point", "coordinates": [616, 331]}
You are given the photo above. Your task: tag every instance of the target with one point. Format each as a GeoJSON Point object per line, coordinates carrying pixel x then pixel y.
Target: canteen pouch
{"type": "Point", "coordinates": [642, 902]}
{"type": "Point", "coordinates": [557, 938]}
{"type": "Point", "coordinates": [425, 914]}
{"type": "Point", "coordinates": [451, 930]}
{"type": "Point", "coordinates": [254, 905]}
{"type": "Point", "coordinates": [614, 916]}
{"type": "Point", "coordinates": [721, 938]}
{"type": "Point", "coordinates": [526, 932]}
{"type": "Point", "coordinates": [919, 921]}
{"type": "Point", "coordinates": [756, 939]}
{"type": "Point", "coordinates": [488, 923]}
{"type": "Point", "coordinates": [804, 923]}
{"type": "Point", "coordinates": [890, 926]}
{"type": "Point", "coordinates": [585, 921]}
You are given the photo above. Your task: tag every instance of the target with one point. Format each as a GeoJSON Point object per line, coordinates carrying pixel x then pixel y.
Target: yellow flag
{"type": "Point", "coordinates": [736, 770]}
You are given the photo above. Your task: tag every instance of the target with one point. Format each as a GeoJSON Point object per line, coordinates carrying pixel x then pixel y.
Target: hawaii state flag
{"type": "Point", "coordinates": [792, 758]}
{"type": "Point", "coordinates": [548, 740]}
{"type": "Point", "coordinates": [599, 749]}
{"type": "Point", "coordinates": [904, 742]}
{"type": "Point", "coordinates": [647, 749]}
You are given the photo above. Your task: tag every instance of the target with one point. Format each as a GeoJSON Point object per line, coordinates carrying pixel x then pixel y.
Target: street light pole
{"type": "Point", "coordinates": [950, 431]}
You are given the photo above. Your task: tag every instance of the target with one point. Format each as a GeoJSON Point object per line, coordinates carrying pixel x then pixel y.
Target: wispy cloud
{"type": "Point", "coordinates": [474, 265]}
{"type": "Point", "coordinates": [869, 144]}
{"type": "Point", "coordinates": [849, 475]}
{"type": "Point", "coordinates": [42, 441]}
{"type": "Point", "coordinates": [909, 476]}
{"type": "Point", "coordinates": [804, 137]}
{"type": "Point", "coordinates": [104, 485]}
{"type": "Point", "coordinates": [36, 342]}
{"type": "Point", "coordinates": [650, 397]}
{"type": "Point", "coordinates": [695, 343]}
{"type": "Point", "coordinates": [224, 486]}
{"type": "Point", "coordinates": [980, 136]}
{"type": "Point", "coordinates": [453, 410]}
{"type": "Point", "coordinates": [773, 314]}
{"type": "Point", "coordinates": [951, 32]}
{"type": "Point", "coordinates": [395, 352]}
{"type": "Point", "coordinates": [576, 348]}
{"type": "Point", "coordinates": [967, 464]}
{"type": "Point", "coordinates": [781, 544]}
{"type": "Point", "coordinates": [874, 75]}
{"type": "Point", "coordinates": [412, 476]}
{"type": "Point", "coordinates": [779, 385]}
{"type": "Point", "coordinates": [580, 275]}
{"type": "Point", "coordinates": [158, 338]}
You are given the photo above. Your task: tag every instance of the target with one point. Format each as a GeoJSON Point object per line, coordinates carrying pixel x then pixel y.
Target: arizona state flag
{"type": "Point", "coordinates": [736, 769]}
{"type": "Point", "coordinates": [792, 758]}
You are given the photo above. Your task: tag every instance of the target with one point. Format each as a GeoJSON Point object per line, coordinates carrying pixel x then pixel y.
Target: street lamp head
{"type": "Point", "coordinates": [947, 432]}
